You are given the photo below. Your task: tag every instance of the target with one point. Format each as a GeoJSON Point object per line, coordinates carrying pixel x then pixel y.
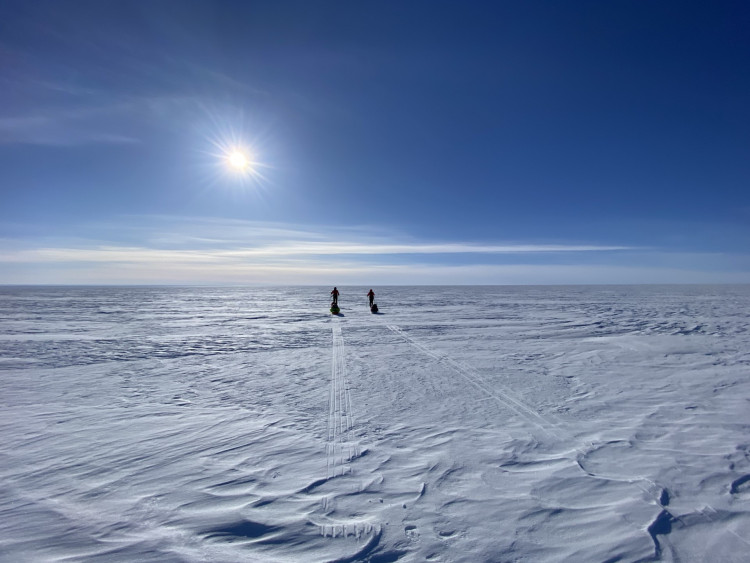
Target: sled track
{"type": "Point", "coordinates": [502, 397]}
{"type": "Point", "coordinates": [340, 449]}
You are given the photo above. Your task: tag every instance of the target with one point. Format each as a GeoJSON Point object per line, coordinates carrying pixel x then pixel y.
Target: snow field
{"type": "Point", "coordinates": [466, 424]}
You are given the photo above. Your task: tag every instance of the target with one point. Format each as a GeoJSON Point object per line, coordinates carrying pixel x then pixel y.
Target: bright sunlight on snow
{"type": "Point", "coordinates": [468, 424]}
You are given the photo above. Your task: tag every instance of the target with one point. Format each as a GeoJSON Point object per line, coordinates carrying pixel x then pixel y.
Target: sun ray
{"type": "Point", "coordinates": [231, 158]}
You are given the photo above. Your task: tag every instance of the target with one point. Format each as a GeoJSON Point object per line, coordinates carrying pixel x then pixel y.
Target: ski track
{"type": "Point", "coordinates": [340, 448]}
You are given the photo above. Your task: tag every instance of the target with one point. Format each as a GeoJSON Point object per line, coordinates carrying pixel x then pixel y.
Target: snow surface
{"type": "Point", "coordinates": [460, 424]}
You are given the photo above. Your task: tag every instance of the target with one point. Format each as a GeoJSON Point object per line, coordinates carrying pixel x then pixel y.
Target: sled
{"type": "Point", "coordinates": [335, 309]}
{"type": "Point", "coordinates": [374, 308]}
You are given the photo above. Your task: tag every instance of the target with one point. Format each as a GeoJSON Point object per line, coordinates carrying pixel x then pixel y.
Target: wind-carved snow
{"type": "Point", "coordinates": [460, 424]}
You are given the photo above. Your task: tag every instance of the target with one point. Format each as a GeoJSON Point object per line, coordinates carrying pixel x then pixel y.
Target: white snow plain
{"type": "Point", "coordinates": [472, 424]}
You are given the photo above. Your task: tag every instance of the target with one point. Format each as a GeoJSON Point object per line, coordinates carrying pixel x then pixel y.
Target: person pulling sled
{"type": "Point", "coordinates": [371, 297]}
{"type": "Point", "coordinates": [335, 303]}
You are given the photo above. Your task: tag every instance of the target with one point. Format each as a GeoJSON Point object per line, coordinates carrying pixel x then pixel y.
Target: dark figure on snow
{"type": "Point", "coordinates": [371, 296]}
{"type": "Point", "coordinates": [335, 294]}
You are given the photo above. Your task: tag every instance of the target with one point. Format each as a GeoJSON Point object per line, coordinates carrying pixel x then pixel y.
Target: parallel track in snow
{"type": "Point", "coordinates": [340, 449]}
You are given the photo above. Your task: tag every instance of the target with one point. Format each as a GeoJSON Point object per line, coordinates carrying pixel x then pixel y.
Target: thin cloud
{"type": "Point", "coordinates": [333, 248]}
{"type": "Point", "coordinates": [76, 124]}
{"type": "Point", "coordinates": [290, 249]}
{"type": "Point", "coordinates": [186, 250]}
{"type": "Point", "coordinates": [282, 239]}
{"type": "Point", "coordinates": [67, 128]}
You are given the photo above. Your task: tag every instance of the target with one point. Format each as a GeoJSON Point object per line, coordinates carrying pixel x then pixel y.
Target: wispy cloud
{"type": "Point", "coordinates": [61, 128]}
{"type": "Point", "coordinates": [88, 121]}
{"type": "Point", "coordinates": [211, 241]}
{"type": "Point", "coordinates": [262, 254]}
{"type": "Point", "coordinates": [184, 250]}
{"type": "Point", "coordinates": [265, 238]}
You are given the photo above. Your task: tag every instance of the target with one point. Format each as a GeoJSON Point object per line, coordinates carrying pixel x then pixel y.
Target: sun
{"type": "Point", "coordinates": [241, 163]}
{"type": "Point", "coordinates": [238, 160]}
{"type": "Point", "coordinates": [231, 158]}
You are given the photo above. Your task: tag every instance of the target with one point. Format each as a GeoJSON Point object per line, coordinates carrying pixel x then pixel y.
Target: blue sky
{"type": "Point", "coordinates": [392, 142]}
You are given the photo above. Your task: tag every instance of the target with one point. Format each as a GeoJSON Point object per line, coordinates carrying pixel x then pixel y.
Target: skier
{"type": "Point", "coordinates": [335, 294]}
{"type": "Point", "coordinates": [371, 295]}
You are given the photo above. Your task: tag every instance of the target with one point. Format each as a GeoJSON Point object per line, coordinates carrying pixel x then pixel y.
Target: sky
{"type": "Point", "coordinates": [417, 142]}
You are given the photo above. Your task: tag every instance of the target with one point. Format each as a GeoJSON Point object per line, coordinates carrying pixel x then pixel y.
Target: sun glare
{"type": "Point", "coordinates": [238, 160]}
{"type": "Point", "coordinates": [231, 157]}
